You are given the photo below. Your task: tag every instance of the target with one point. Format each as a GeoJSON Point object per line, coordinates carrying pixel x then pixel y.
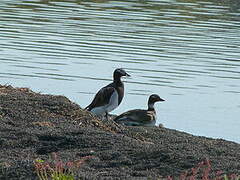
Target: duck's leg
{"type": "Point", "coordinates": [106, 116]}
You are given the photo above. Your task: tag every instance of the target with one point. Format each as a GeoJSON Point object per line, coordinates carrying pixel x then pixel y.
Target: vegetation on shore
{"type": "Point", "coordinates": [56, 169]}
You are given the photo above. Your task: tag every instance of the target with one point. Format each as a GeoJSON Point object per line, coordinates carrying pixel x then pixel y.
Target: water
{"type": "Point", "coordinates": [187, 51]}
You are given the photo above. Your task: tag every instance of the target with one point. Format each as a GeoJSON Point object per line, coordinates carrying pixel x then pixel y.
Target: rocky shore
{"type": "Point", "coordinates": [33, 125]}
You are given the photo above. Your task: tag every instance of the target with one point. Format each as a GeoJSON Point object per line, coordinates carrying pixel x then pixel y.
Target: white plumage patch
{"type": "Point", "coordinates": [113, 104]}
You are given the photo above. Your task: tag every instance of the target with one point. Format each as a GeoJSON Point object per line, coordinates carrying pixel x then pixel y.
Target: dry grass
{"type": "Point", "coordinates": [43, 124]}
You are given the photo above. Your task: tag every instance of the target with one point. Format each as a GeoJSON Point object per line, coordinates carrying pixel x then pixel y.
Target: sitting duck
{"type": "Point", "coordinates": [140, 117]}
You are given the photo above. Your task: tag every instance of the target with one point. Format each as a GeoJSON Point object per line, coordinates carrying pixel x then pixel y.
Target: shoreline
{"type": "Point", "coordinates": [34, 125]}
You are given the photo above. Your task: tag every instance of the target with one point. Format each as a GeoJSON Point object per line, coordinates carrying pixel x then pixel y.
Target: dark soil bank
{"type": "Point", "coordinates": [33, 126]}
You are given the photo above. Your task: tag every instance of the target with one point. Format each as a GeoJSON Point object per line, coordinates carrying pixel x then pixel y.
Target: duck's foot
{"type": "Point", "coordinates": [106, 116]}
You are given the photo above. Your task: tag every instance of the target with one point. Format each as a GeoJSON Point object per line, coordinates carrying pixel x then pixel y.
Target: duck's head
{"type": "Point", "coordinates": [118, 73]}
{"type": "Point", "coordinates": [153, 99]}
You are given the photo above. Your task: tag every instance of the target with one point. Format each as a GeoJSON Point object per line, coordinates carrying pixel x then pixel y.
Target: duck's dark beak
{"type": "Point", "coordinates": [160, 99]}
{"type": "Point", "coordinates": [127, 75]}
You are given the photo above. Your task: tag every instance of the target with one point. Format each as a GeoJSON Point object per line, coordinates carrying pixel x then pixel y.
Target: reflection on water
{"type": "Point", "coordinates": [187, 51]}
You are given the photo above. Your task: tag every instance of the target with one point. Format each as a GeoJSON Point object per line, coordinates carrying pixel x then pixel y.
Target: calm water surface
{"type": "Point", "coordinates": [187, 51]}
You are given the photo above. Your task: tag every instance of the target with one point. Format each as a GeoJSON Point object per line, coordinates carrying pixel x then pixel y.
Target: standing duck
{"type": "Point", "coordinates": [140, 117]}
{"type": "Point", "coordinates": [109, 97]}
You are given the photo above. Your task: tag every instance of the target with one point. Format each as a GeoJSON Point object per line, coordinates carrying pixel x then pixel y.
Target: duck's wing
{"type": "Point", "coordinates": [101, 98]}
{"type": "Point", "coordinates": [137, 117]}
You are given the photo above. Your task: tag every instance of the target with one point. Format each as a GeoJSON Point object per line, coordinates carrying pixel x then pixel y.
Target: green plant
{"type": "Point", "coordinates": [56, 169]}
{"type": "Point", "coordinates": [231, 177]}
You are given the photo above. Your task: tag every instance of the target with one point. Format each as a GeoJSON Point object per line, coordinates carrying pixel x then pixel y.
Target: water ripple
{"type": "Point", "coordinates": [187, 49]}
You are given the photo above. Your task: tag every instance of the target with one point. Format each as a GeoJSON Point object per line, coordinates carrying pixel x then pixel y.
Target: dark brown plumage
{"type": "Point", "coordinates": [140, 117]}
{"type": "Point", "coordinates": [109, 97]}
